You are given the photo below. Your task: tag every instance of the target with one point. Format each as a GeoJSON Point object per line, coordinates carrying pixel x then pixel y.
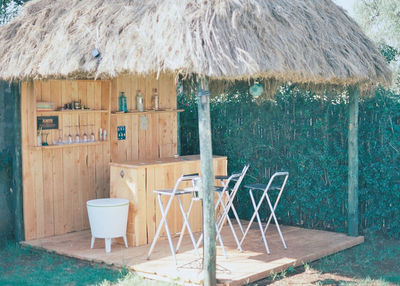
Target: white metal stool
{"type": "Point", "coordinates": [172, 193]}
{"type": "Point", "coordinates": [226, 196]}
{"type": "Point", "coordinates": [265, 189]}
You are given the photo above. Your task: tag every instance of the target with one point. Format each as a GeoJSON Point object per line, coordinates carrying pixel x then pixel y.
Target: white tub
{"type": "Point", "coordinates": [108, 219]}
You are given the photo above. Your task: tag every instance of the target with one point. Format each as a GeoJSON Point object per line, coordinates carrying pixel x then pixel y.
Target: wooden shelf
{"type": "Point", "coordinates": [53, 112]}
{"type": "Point", "coordinates": [114, 113]}
{"type": "Point", "coordinates": [69, 145]}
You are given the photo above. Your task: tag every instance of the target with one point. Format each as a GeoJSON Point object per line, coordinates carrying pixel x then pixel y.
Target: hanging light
{"type": "Point", "coordinates": [256, 90]}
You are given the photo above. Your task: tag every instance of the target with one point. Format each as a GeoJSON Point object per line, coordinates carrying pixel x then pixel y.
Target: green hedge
{"type": "Point", "coordinates": [306, 134]}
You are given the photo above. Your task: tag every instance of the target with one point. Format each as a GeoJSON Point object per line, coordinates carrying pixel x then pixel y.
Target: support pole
{"type": "Point", "coordinates": [17, 165]}
{"type": "Point", "coordinates": [207, 186]}
{"type": "Point", "coordinates": [353, 162]}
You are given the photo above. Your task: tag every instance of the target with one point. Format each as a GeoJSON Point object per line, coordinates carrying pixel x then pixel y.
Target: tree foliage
{"type": "Point", "coordinates": [380, 19]}
{"type": "Point", "coordinates": [9, 9]}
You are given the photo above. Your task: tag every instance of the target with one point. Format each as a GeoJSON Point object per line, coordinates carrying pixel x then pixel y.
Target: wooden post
{"type": "Point", "coordinates": [353, 162]}
{"type": "Point", "coordinates": [209, 247]}
{"type": "Point", "coordinates": [178, 128]}
{"type": "Point", "coordinates": [17, 165]}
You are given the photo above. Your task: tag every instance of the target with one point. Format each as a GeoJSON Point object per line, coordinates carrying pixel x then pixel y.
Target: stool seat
{"type": "Point", "coordinates": [260, 187]}
{"type": "Point", "coordinates": [170, 192]}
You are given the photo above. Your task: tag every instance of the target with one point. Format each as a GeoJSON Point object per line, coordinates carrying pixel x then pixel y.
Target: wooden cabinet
{"type": "Point", "coordinates": [136, 181]}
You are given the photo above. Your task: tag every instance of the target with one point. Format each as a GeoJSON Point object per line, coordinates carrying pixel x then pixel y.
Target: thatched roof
{"type": "Point", "coordinates": [297, 40]}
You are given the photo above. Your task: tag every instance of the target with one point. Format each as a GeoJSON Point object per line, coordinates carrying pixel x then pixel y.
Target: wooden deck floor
{"type": "Point", "coordinates": [238, 268]}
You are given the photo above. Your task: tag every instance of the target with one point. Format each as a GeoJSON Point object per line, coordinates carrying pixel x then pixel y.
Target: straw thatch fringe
{"type": "Point", "coordinates": [302, 41]}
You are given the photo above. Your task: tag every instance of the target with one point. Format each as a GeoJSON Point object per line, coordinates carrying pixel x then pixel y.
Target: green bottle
{"type": "Point", "coordinates": [122, 102]}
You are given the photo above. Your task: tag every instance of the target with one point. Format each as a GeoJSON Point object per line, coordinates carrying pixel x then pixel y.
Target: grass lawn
{"type": "Point", "coordinates": [376, 262]}
{"type": "Point", "coordinates": [26, 266]}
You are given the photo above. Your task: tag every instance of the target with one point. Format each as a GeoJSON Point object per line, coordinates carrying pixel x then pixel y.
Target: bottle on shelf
{"type": "Point", "coordinates": [139, 101]}
{"type": "Point", "coordinates": [39, 137]}
{"type": "Point", "coordinates": [155, 99]}
{"type": "Point", "coordinates": [122, 102]}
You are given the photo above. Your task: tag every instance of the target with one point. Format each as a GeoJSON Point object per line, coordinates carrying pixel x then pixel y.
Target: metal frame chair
{"type": "Point", "coordinates": [227, 204]}
{"type": "Point", "coordinates": [265, 189]}
{"type": "Point", "coordinates": [230, 194]}
{"type": "Point", "coordinates": [172, 193]}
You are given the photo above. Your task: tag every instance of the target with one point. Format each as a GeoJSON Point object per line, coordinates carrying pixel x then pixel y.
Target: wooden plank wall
{"type": "Point", "coordinates": [57, 182]}
{"type": "Point", "coordinates": [160, 138]}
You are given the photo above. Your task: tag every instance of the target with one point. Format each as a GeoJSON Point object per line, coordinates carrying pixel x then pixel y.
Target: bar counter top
{"type": "Point", "coordinates": [160, 161]}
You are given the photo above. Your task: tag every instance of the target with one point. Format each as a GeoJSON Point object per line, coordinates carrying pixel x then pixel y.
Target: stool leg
{"type": "Point", "coordinates": [92, 242]}
{"type": "Point", "coordinates": [237, 219]}
{"type": "Point", "coordinates": [259, 221]}
{"type": "Point", "coordinates": [276, 221]}
{"type": "Point", "coordinates": [108, 244]}
{"type": "Point", "coordinates": [252, 217]}
{"type": "Point", "coordinates": [125, 241]}
{"type": "Point", "coordinates": [225, 217]}
{"type": "Point", "coordinates": [186, 223]}
{"type": "Point", "coordinates": [183, 228]}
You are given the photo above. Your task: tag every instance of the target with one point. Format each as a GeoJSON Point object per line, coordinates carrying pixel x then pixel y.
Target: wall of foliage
{"type": "Point", "coordinates": [306, 134]}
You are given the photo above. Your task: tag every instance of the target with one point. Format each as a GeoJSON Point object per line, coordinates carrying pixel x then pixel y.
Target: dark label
{"type": "Point", "coordinates": [47, 122]}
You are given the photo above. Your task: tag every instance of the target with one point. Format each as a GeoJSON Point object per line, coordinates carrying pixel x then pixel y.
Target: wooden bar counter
{"type": "Point", "coordinates": [136, 180]}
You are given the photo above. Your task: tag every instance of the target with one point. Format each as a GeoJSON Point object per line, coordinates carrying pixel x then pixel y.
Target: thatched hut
{"type": "Point", "coordinates": [129, 44]}
{"type": "Point", "coordinates": [306, 41]}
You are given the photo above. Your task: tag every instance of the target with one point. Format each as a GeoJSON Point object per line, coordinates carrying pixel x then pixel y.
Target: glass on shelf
{"type": "Point", "coordinates": [70, 141]}
{"type": "Point", "coordinates": [92, 136]}
{"type": "Point", "coordinates": [77, 137]}
{"type": "Point", "coordinates": [85, 137]}
{"type": "Point", "coordinates": [59, 141]}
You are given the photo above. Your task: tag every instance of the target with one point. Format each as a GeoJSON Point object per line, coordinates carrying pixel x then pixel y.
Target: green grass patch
{"type": "Point", "coordinates": [375, 262]}
{"type": "Point", "coordinates": [378, 258]}
{"type": "Point", "coordinates": [27, 266]}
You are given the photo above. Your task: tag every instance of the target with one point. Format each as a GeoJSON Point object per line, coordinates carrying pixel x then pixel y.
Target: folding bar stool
{"type": "Point", "coordinates": [196, 197]}
{"type": "Point", "coordinates": [227, 205]}
{"type": "Point", "coordinates": [172, 193]}
{"type": "Point", "coordinates": [231, 193]}
{"type": "Point", "coordinates": [266, 189]}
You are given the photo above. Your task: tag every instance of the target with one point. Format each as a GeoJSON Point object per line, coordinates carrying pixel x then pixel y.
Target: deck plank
{"type": "Point", "coordinates": [304, 245]}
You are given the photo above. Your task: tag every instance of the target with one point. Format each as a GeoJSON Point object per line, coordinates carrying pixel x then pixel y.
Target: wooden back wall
{"type": "Point", "coordinates": [58, 180]}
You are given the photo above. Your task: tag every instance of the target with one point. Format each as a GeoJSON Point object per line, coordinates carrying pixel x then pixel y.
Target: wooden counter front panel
{"type": "Point", "coordinates": [138, 184]}
{"type": "Point", "coordinates": [129, 184]}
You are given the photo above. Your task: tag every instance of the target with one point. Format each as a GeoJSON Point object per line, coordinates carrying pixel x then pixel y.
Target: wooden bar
{"type": "Point", "coordinates": [58, 179]}
{"type": "Point", "coordinates": [136, 180]}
